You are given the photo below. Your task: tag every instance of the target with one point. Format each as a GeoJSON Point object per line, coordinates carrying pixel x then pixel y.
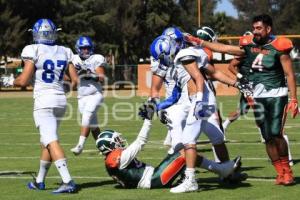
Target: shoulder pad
{"type": "Point", "coordinates": [245, 40]}
{"type": "Point", "coordinates": [112, 160]}
{"type": "Point", "coordinates": [209, 54]}
{"type": "Point", "coordinates": [98, 57]}
{"type": "Point", "coordinates": [282, 44]}
{"type": "Point", "coordinates": [98, 60]}
{"type": "Point", "coordinates": [191, 51]}
{"type": "Point", "coordinates": [29, 52]}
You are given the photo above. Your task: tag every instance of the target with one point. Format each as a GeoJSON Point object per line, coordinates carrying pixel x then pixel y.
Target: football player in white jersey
{"type": "Point", "coordinates": [90, 68]}
{"type": "Point", "coordinates": [47, 62]}
{"type": "Point", "coordinates": [174, 116]}
{"type": "Point", "coordinates": [202, 115]}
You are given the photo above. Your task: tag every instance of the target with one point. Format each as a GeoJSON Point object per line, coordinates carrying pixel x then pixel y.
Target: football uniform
{"type": "Point", "coordinates": [89, 91]}
{"type": "Point", "coordinates": [267, 75]}
{"type": "Point", "coordinates": [210, 126]}
{"type": "Point", "coordinates": [178, 112]}
{"type": "Point", "coordinates": [122, 165]}
{"type": "Point", "coordinates": [49, 98]}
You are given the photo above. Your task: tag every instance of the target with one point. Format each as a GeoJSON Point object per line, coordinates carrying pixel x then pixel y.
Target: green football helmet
{"type": "Point", "coordinates": [206, 33]}
{"type": "Point", "coordinates": [109, 140]}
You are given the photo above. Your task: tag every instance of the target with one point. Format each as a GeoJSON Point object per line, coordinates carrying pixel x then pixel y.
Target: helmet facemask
{"type": "Point", "coordinates": [44, 32]}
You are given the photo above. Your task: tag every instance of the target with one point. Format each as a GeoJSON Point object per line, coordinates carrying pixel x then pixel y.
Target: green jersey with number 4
{"type": "Point", "coordinates": [263, 61]}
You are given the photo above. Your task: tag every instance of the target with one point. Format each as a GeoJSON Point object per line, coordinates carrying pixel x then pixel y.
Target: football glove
{"type": "Point", "coordinates": [147, 110]}
{"type": "Point", "coordinates": [293, 107]}
{"type": "Point", "coordinates": [8, 81]}
{"type": "Point", "coordinates": [245, 88]}
{"type": "Point", "coordinates": [163, 117]}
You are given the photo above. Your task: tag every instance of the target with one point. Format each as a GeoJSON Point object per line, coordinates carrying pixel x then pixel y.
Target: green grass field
{"type": "Point", "coordinates": [19, 156]}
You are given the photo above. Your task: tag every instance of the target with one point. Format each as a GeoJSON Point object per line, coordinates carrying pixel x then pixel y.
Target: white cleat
{"type": "Point", "coordinates": [77, 150]}
{"type": "Point", "coordinates": [186, 186]}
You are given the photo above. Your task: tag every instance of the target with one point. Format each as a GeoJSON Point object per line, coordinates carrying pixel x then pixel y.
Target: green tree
{"type": "Point", "coordinates": [11, 33]}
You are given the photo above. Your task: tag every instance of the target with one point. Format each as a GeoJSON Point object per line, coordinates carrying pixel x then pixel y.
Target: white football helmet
{"type": "Point", "coordinates": [44, 32]}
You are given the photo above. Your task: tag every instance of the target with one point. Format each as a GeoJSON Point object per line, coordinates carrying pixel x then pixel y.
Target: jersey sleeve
{"type": "Point", "coordinates": [99, 61]}
{"type": "Point", "coordinates": [157, 68]}
{"type": "Point", "coordinates": [245, 40]}
{"type": "Point", "coordinates": [133, 149]}
{"type": "Point", "coordinates": [77, 62]}
{"type": "Point", "coordinates": [197, 54]}
{"type": "Point", "coordinates": [282, 44]}
{"type": "Point", "coordinates": [70, 55]}
{"type": "Point", "coordinates": [29, 53]}
{"type": "Point", "coordinates": [112, 160]}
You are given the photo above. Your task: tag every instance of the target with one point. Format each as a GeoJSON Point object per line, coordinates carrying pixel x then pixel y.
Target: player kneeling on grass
{"type": "Point", "coordinates": [122, 165]}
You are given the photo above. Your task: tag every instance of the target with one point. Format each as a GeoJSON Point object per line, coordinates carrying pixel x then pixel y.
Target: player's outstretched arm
{"type": "Point", "coordinates": [215, 46]}
{"type": "Point", "coordinates": [134, 148]}
{"type": "Point", "coordinates": [26, 75]}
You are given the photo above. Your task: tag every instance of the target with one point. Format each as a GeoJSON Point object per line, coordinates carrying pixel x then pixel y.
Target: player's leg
{"type": "Point", "coordinates": [168, 170]}
{"type": "Point", "coordinates": [45, 162]}
{"type": "Point", "coordinates": [242, 109]}
{"type": "Point", "coordinates": [177, 116]}
{"type": "Point", "coordinates": [88, 107]}
{"type": "Point", "coordinates": [270, 121]}
{"type": "Point", "coordinates": [214, 133]}
{"type": "Point", "coordinates": [48, 122]}
{"type": "Point", "coordinates": [190, 135]}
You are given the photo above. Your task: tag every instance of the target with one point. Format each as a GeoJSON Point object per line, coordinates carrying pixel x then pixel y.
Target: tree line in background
{"type": "Point", "coordinates": [125, 28]}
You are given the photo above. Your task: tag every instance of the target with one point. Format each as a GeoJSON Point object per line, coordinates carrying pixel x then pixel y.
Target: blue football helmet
{"type": "Point", "coordinates": [163, 49]}
{"type": "Point", "coordinates": [176, 35]}
{"type": "Point", "coordinates": [109, 140]}
{"type": "Point", "coordinates": [84, 42]}
{"type": "Point", "coordinates": [44, 32]}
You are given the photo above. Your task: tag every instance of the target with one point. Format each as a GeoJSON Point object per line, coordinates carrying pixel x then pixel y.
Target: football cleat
{"type": "Point", "coordinates": [77, 150]}
{"type": "Point", "coordinates": [33, 185]}
{"type": "Point", "coordinates": [288, 178]}
{"type": "Point", "coordinates": [187, 185]}
{"type": "Point", "coordinates": [66, 188]}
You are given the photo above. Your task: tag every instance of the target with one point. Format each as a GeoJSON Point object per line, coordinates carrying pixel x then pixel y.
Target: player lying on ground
{"type": "Point", "coordinates": [122, 165]}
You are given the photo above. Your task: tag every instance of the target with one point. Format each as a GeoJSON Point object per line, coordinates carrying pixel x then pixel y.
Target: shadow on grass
{"type": "Point", "coordinates": [206, 184]}
{"type": "Point", "coordinates": [94, 184]}
{"type": "Point", "coordinates": [17, 173]}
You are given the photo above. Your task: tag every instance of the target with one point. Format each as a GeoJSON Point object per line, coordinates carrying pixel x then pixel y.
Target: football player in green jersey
{"type": "Point", "coordinates": [123, 166]}
{"type": "Point", "coordinates": [273, 76]}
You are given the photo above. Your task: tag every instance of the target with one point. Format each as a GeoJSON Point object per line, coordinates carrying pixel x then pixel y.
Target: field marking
{"type": "Point", "coordinates": [152, 144]}
{"type": "Point", "coordinates": [97, 157]}
{"type": "Point", "coordinates": [22, 176]}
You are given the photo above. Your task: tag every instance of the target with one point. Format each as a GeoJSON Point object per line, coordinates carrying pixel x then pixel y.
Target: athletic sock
{"type": "Point", "coordinates": [226, 123]}
{"type": "Point", "coordinates": [62, 168]}
{"type": "Point", "coordinates": [81, 141]}
{"type": "Point", "coordinates": [44, 167]}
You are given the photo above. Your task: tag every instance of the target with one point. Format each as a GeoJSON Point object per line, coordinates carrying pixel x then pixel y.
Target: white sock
{"type": "Point", "coordinates": [190, 173]}
{"type": "Point", "coordinates": [62, 168]}
{"type": "Point", "coordinates": [210, 165]}
{"type": "Point", "coordinates": [215, 155]}
{"type": "Point", "coordinates": [44, 167]}
{"type": "Point", "coordinates": [81, 141]}
{"type": "Point", "coordinates": [288, 146]}
{"type": "Point", "coordinates": [226, 123]}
